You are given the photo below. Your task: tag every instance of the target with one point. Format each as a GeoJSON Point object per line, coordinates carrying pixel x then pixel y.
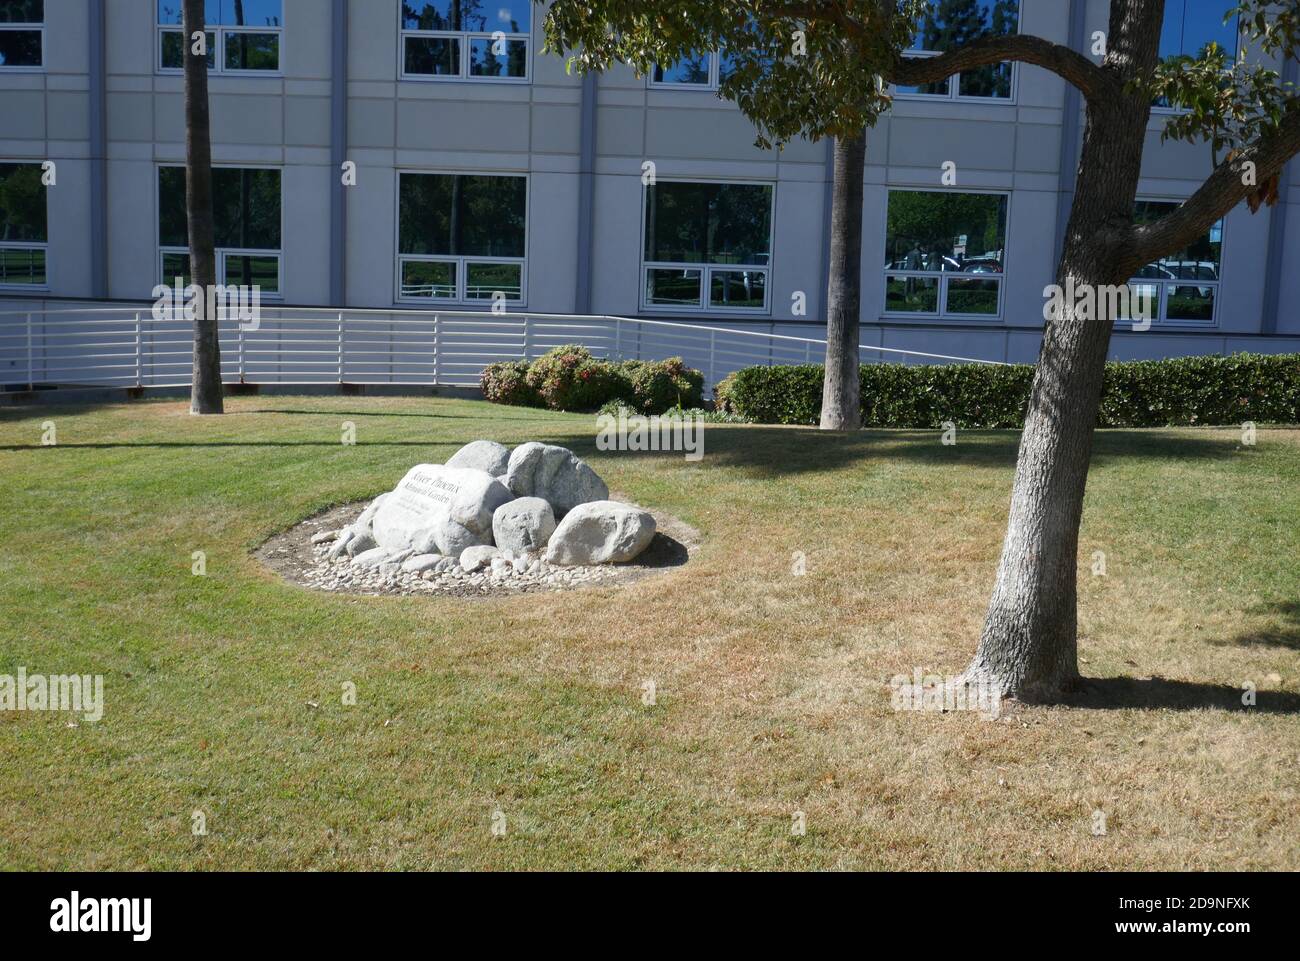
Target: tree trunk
{"type": "Point", "coordinates": [1028, 648]}
{"type": "Point", "coordinates": [205, 394]}
{"type": "Point", "coordinates": [842, 388]}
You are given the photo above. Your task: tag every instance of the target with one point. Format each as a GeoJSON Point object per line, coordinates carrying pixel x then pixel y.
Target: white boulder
{"type": "Point", "coordinates": [484, 455]}
{"type": "Point", "coordinates": [421, 563]}
{"type": "Point", "coordinates": [475, 558]}
{"type": "Point", "coordinates": [600, 532]}
{"type": "Point", "coordinates": [442, 510]}
{"type": "Point", "coordinates": [523, 524]}
{"type": "Point", "coordinates": [556, 475]}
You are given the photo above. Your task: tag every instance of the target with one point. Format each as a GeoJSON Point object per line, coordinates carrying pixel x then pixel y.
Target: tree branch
{"type": "Point", "coordinates": [1091, 79]}
{"type": "Point", "coordinates": [1222, 191]}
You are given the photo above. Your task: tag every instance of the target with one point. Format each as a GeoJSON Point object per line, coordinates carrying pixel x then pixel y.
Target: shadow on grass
{"type": "Point", "coordinates": [180, 445]}
{"type": "Point", "coordinates": [540, 415]}
{"type": "Point", "coordinates": [1158, 693]}
{"type": "Point", "coordinates": [784, 451]}
{"type": "Point", "coordinates": [775, 452]}
{"type": "Point", "coordinates": [1285, 635]}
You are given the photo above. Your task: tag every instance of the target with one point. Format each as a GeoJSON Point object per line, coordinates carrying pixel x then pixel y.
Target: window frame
{"type": "Point", "coordinates": [712, 85]}
{"type": "Point", "coordinates": [943, 276]}
{"type": "Point", "coordinates": [26, 27]}
{"type": "Point", "coordinates": [462, 261]}
{"type": "Point", "coordinates": [954, 94]}
{"type": "Point", "coordinates": [42, 245]}
{"type": "Point", "coordinates": [464, 39]}
{"type": "Point", "coordinates": [1160, 318]}
{"type": "Point", "coordinates": [221, 253]}
{"type": "Point", "coordinates": [706, 269]}
{"type": "Point", "coordinates": [219, 53]}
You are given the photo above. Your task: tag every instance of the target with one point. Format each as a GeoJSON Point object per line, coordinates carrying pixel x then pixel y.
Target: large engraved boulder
{"type": "Point", "coordinates": [439, 510]}
{"type": "Point", "coordinates": [556, 475]}
{"type": "Point", "coordinates": [600, 532]}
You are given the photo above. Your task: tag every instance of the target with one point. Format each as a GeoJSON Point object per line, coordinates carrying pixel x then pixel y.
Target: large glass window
{"type": "Point", "coordinates": [1183, 286]}
{"type": "Point", "coordinates": [22, 34]}
{"type": "Point", "coordinates": [952, 23]}
{"type": "Point", "coordinates": [462, 40]}
{"type": "Point", "coordinates": [945, 253]}
{"type": "Point", "coordinates": [707, 246]}
{"type": "Point", "coordinates": [246, 222]}
{"type": "Point", "coordinates": [243, 35]}
{"type": "Point", "coordinates": [461, 237]}
{"type": "Point", "coordinates": [1192, 25]}
{"type": "Point", "coordinates": [23, 226]}
{"type": "Point", "coordinates": [703, 72]}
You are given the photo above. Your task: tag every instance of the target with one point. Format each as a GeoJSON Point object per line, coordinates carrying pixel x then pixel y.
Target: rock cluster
{"type": "Point", "coordinates": [490, 513]}
{"type": "Point", "coordinates": [503, 571]}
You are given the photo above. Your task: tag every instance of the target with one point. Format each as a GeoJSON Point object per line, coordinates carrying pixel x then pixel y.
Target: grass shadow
{"type": "Point", "coordinates": [540, 415]}
{"type": "Point", "coordinates": [1158, 693]}
{"type": "Point", "coordinates": [1285, 635]}
{"type": "Point", "coordinates": [774, 452]}
{"type": "Point", "coordinates": [165, 445]}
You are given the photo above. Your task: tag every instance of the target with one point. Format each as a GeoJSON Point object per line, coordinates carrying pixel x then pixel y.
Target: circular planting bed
{"type": "Point", "coordinates": [489, 522]}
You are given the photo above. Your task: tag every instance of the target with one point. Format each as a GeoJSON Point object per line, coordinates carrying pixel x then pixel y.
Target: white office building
{"type": "Point", "coordinates": [483, 169]}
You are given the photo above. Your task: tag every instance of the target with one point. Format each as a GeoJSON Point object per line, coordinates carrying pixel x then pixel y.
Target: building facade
{"type": "Point", "coordinates": [422, 153]}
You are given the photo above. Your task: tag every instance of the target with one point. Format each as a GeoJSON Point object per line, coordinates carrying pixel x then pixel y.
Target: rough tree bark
{"type": "Point", "coordinates": [1028, 648]}
{"type": "Point", "coordinates": [842, 388]}
{"type": "Point", "coordinates": [206, 391]}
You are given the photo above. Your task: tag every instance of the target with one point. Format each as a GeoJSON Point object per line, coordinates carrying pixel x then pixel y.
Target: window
{"type": "Point", "coordinates": [23, 226]}
{"type": "Point", "coordinates": [1182, 287]}
{"type": "Point", "coordinates": [945, 253]}
{"type": "Point", "coordinates": [454, 40]}
{"type": "Point", "coordinates": [703, 72]}
{"type": "Point", "coordinates": [243, 35]}
{"type": "Point", "coordinates": [951, 24]}
{"type": "Point", "coordinates": [461, 237]}
{"type": "Point", "coordinates": [22, 34]}
{"type": "Point", "coordinates": [246, 215]}
{"type": "Point", "coordinates": [707, 246]}
{"type": "Point", "coordinates": [1192, 25]}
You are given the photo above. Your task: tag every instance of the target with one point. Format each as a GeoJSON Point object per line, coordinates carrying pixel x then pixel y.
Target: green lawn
{"type": "Point", "coordinates": [772, 691]}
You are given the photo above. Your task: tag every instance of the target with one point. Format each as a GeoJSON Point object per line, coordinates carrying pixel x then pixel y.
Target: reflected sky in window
{"type": "Point", "coordinates": [1191, 24]}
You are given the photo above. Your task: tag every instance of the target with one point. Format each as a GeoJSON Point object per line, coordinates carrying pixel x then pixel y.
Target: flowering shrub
{"type": "Point", "coordinates": [570, 378]}
{"type": "Point", "coordinates": [656, 387]}
{"type": "Point", "coordinates": [507, 383]}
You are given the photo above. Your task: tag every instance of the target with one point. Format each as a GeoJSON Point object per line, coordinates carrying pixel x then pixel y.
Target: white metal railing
{"type": "Point", "coordinates": [129, 347]}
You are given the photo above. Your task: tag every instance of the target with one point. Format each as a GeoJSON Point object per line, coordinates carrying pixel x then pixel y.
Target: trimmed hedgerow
{"type": "Point", "coordinates": [1147, 393]}
{"type": "Point", "coordinates": [570, 378]}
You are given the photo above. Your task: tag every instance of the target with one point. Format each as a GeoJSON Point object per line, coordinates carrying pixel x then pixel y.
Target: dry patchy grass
{"type": "Point", "coordinates": [772, 689]}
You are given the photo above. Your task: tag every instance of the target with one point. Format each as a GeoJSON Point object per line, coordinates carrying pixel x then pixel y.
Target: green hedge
{"type": "Point", "coordinates": [1145, 393]}
{"type": "Point", "coordinates": [569, 378]}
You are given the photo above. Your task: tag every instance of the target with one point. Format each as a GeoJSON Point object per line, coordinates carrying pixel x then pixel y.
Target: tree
{"type": "Point", "coordinates": [791, 80]}
{"type": "Point", "coordinates": [1244, 111]}
{"type": "Point", "coordinates": [842, 386]}
{"type": "Point", "coordinates": [206, 390]}
{"type": "Point", "coordinates": [1028, 647]}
